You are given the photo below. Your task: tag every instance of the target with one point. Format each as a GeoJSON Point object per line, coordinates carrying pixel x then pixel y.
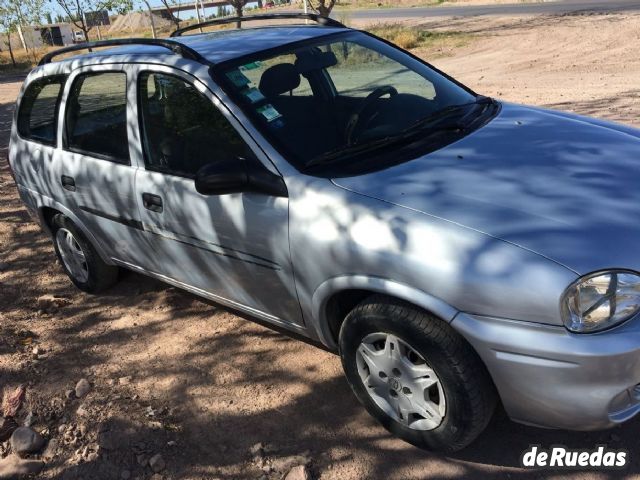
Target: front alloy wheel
{"type": "Point", "coordinates": [415, 374]}
{"type": "Point", "coordinates": [400, 381]}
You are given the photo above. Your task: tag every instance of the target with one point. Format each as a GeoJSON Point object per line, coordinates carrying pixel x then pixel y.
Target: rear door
{"type": "Point", "coordinates": [233, 247]}
{"type": "Point", "coordinates": [93, 171]}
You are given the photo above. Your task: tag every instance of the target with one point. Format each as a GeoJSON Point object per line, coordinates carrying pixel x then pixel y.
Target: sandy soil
{"type": "Point", "coordinates": [173, 375]}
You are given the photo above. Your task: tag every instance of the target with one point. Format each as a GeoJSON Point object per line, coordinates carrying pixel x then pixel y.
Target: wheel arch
{"type": "Point", "coordinates": [336, 297]}
{"type": "Point", "coordinates": [47, 209]}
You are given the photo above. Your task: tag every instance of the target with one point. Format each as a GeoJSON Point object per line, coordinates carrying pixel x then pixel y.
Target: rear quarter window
{"type": "Point", "coordinates": [38, 112]}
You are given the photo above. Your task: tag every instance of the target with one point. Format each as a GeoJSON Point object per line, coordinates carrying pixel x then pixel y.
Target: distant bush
{"type": "Point", "coordinates": [409, 37]}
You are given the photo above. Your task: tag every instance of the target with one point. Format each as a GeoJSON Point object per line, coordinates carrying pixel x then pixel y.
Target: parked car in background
{"type": "Point", "coordinates": [79, 36]}
{"type": "Point", "coordinates": [453, 249]}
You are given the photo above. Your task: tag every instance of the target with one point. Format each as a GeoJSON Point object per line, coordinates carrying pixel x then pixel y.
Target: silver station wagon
{"type": "Point", "coordinates": [455, 250]}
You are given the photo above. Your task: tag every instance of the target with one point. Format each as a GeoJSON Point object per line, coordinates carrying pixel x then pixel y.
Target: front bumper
{"type": "Point", "coordinates": [549, 377]}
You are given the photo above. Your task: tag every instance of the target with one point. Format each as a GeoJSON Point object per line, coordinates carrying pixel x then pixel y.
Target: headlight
{"type": "Point", "coordinates": [601, 300]}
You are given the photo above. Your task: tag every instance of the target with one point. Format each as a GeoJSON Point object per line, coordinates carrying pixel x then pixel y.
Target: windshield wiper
{"type": "Point", "coordinates": [430, 122]}
{"type": "Point", "coordinates": [353, 150]}
{"type": "Point", "coordinates": [459, 124]}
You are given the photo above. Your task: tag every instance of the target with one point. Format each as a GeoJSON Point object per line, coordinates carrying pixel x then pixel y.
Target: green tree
{"type": "Point", "coordinates": [18, 14]}
{"type": "Point", "coordinates": [9, 23]}
{"type": "Point", "coordinates": [76, 10]}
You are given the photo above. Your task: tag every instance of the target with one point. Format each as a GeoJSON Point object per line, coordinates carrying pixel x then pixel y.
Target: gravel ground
{"type": "Point", "coordinates": [221, 397]}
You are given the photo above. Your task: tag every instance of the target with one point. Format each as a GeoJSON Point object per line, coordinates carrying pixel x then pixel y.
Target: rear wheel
{"type": "Point", "coordinates": [415, 374]}
{"type": "Point", "coordinates": [79, 258]}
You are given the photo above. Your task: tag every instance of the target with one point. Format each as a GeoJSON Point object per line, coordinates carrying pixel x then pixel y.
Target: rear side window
{"type": "Point", "coordinates": [96, 117]}
{"type": "Point", "coordinates": [38, 114]}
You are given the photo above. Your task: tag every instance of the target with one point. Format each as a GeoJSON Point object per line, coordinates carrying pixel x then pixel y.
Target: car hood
{"type": "Point", "coordinates": [563, 186]}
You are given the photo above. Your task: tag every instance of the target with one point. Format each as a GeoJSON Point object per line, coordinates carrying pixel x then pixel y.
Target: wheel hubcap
{"type": "Point", "coordinates": [72, 255]}
{"type": "Point", "coordinates": [400, 382]}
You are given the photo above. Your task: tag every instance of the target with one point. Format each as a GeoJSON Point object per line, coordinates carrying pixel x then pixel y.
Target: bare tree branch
{"type": "Point", "coordinates": [323, 7]}
{"type": "Point", "coordinates": [169, 9]}
{"type": "Point", "coordinates": [238, 6]}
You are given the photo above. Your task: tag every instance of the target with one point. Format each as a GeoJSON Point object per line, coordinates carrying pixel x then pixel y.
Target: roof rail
{"type": "Point", "coordinates": [325, 21]}
{"type": "Point", "coordinates": [176, 47]}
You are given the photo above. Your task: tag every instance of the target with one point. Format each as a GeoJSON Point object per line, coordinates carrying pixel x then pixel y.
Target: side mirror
{"type": "Point", "coordinates": [237, 175]}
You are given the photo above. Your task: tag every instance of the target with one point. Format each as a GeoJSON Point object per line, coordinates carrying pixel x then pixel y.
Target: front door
{"type": "Point", "coordinates": [233, 247]}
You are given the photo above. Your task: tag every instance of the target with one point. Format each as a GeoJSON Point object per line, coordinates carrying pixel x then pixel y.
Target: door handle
{"type": "Point", "coordinates": [152, 202]}
{"type": "Point", "coordinates": [68, 183]}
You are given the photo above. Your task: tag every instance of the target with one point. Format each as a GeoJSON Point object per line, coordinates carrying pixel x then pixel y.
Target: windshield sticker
{"type": "Point", "coordinates": [250, 66]}
{"type": "Point", "coordinates": [268, 112]}
{"type": "Point", "coordinates": [237, 78]}
{"type": "Point", "coordinates": [253, 94]}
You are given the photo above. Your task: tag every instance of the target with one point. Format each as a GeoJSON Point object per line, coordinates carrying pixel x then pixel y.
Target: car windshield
{"type": "Point", "coordinates": [340, 96]}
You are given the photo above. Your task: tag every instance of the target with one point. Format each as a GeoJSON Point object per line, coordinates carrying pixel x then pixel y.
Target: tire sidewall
{"type": "Point", "coordinates": [447, 435]}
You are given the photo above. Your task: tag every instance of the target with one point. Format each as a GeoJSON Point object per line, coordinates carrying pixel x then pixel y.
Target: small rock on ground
{"type": "Point", "coordinates": [50, 452]}
{"type": "Point", "coordinates": [157, 463]}
{"type": "Point", "coordinates": [284, 464]}
{"type": "Point", "coordinates": [82, 388]}
{"type": "Point", "coordinates": [51, 302]}
{"type": "Point", "coordinates": [24, 440]}
{"type": "Point", "coordinates": [257, 449]}
{"type": "Point", "coordinates": [13, 467]}
{"type": "Point", "coordinates": [298, 473]}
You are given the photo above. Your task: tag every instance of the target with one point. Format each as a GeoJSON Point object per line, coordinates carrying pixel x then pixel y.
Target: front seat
{"type": "Point", "coordinates": [304, 120]}
{"type": "Point", "coordinates": [279, 79]}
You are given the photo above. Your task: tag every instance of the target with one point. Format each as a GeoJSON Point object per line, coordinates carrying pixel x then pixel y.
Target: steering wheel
{"type": "Point", "coordinates": [357, 118]}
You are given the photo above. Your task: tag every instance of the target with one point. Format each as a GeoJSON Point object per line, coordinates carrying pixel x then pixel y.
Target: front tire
{"type": "Point", "coordinates": [415, 374]}
{"type": "Point", "coordinates": [80, 260]}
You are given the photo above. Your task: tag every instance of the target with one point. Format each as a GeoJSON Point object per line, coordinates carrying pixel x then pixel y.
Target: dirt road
{"type": "Point", "coordinates": [475, 8]}
{"type": "Point", "coordinates": [173, 375]}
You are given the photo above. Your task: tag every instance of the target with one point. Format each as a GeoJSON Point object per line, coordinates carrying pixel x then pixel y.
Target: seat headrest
{"type": "Point", "coordinates": [279, 79]}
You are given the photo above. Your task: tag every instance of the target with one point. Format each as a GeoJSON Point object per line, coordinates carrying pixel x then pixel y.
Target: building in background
{"type": "Point", "coordinates": [53, 34]}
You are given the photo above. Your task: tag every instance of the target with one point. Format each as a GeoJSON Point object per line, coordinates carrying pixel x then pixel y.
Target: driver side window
{"type": "Point", "coordinates": [182, 129]}
{"type": "Point", "coordinates": [356, 62]}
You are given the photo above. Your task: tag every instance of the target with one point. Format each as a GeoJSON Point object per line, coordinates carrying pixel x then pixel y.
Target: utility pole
{"type": "Point", "coordinates": [198, 14]}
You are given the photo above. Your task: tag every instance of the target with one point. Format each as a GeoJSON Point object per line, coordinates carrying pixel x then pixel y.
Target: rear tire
{"type": "Point", "coordinates": [79, 259]}
{"type": "Point", "coordinates": [415, 374]}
